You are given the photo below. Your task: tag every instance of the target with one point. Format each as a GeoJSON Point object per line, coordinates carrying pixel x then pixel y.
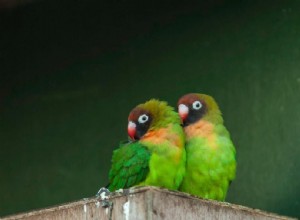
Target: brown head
{"type": "Point", "coordinates": [149, 116]}
{"type": "Point", "coordinates": [193, 107]}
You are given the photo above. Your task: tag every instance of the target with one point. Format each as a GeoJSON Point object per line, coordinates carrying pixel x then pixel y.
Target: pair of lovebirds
{"type": "Point", "coordinates": [190, 151]}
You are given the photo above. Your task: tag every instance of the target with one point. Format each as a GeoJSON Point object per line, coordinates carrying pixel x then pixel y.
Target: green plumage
{"type": "Point", "coordinates": [211, 155]}
{"type": "Point", "coordinates": [130, 166]}
{"type": "Point", "coordinates": [158, 157]}
{"type": "Point", "coordinates": [210, 171]}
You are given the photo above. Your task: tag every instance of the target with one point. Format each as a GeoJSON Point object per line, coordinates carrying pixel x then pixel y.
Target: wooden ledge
{"type": "Point", "coordinates": [147, 203]}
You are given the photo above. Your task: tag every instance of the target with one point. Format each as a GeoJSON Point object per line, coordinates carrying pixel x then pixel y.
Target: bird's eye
{"type": "Point", "coordinates": [143, 118]}
{"type": "Point", "coordinates": [197, 105]}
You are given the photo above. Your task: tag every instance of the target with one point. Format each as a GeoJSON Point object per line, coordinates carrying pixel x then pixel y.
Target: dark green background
{"type": "Point", "coordinates": [72, 70]}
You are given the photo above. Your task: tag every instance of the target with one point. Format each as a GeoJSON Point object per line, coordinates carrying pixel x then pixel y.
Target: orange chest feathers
{"type": "Point", "coordinates": [162, 135]}
{"type": "Point", "coordinates": [202, 129]}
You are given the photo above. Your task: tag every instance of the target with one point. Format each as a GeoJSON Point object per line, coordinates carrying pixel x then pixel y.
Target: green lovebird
{"type": "Point", "coordinates": [211, 156]}
{"type": "Point", "coordinates": [156, 155]}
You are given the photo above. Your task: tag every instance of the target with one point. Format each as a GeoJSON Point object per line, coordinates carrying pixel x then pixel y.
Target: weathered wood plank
{"type": "Point", "coordinates": [147, 203]}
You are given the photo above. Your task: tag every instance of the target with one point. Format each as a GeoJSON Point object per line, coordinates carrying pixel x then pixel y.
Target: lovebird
{"type": "Point", "coordinates": [211, 155]}
{"type": "Point", "coordinates": [156, 154]}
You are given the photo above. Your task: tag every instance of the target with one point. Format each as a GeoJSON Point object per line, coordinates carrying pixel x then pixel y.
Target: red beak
{"type": "Point", "coordinates": [131, 129]}
{"type": "Point", "coordinates": [183, 116]}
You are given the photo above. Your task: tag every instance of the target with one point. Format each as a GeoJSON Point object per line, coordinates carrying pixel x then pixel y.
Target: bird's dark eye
{"type": "Point", "coordinates": [143, 118]}
{"type": "Point", "coordinates": [197, 105]}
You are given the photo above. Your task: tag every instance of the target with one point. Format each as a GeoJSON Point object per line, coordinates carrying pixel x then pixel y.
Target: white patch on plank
{"type": "Point", "coordinates": [126, 210]}
{"type": "Point", "coordinates": [119, 191]}
{"type": "Point", "coordinates": [97, 204]}
{"type": "Point", "coordinates": [106, 211]}
{"type": "Point", "coordinates": [84, 208]}
{"type": "Point", "coordinates": [103, 196]}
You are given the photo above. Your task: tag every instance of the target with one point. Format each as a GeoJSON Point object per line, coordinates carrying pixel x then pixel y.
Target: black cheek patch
{"type": "Point", "coordinates": [194, 116]}
{"type": "Point", "coordinates": [141, 129]}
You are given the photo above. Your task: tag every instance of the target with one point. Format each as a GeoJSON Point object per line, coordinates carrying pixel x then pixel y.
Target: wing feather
{"type": "Point", "coordinates": [130, 166]}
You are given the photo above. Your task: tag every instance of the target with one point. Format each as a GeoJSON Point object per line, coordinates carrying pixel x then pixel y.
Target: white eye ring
{"type": "Point", "coordinates": [197, 105]}
{"type": "Point", "coordinates": [143, 118]}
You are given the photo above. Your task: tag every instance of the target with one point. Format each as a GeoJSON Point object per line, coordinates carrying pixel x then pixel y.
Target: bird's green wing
{"type": "Point", "coordinates": [130, 166]}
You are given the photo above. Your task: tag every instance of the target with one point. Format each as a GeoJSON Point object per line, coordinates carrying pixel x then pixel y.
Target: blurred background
{"type": "Point", "coordinates": [70, 72]}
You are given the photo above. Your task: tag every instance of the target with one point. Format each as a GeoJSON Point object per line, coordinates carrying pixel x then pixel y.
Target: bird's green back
{"type": "Point", "coordinates": [130, 166]}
